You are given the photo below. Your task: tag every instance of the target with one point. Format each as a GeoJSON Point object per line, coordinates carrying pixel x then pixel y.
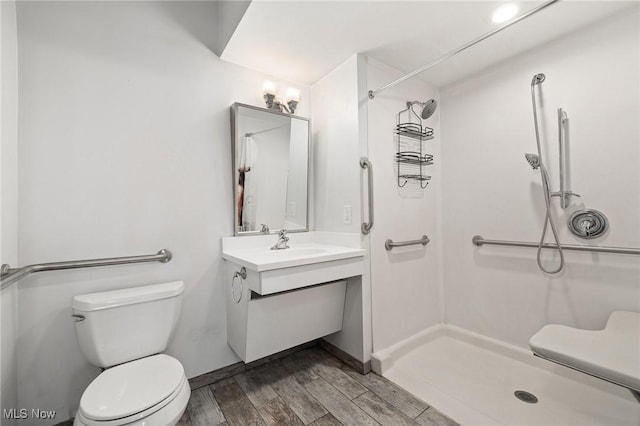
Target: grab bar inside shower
{"type": "Point", "coordinates": [479, 241]}
{"type": "Point", "coordinates": [564, 193]}
{"type": "Point", "coordinates": [562, 121]}
{"type": "Point", "coordinates": [10, 275]}
{"type": "Point", "coordinates": [389, 244]}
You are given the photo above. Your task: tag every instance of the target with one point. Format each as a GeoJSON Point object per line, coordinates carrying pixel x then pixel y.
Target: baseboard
{"type": "Point", "coordinates": [214, 376]}
{"type": "Point", "coordinates": [382, 360]}
{"type": "Point", "coordinates": [359, 366]}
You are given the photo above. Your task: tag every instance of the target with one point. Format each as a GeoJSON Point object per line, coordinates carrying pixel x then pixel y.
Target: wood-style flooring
{"type": "Point", "coordinates": [310, 387]}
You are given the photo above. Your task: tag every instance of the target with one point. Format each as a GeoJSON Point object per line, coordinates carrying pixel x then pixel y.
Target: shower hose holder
{"type": "Point", "coordinates": [565, 197]}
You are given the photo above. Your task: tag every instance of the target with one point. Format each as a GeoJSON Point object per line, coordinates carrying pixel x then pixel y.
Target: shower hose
{"type": "Point", "coordinates": [548, 219]}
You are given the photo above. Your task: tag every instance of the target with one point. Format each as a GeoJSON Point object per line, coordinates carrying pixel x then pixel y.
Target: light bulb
{"type": "Point", "coordinates": [269, 88]}
{"type": "Point", "coordinates": [293, 95]}
{"type": "Point", "coordinates": [504, 13]}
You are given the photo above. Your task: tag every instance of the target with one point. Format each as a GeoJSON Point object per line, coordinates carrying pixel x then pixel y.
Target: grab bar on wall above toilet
{"type": "Point", "coordinates": [10, 275]}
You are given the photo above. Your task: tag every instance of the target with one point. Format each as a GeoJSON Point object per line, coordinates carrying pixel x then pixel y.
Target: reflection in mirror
{"type": "Point", "coordinates": [271, 161]}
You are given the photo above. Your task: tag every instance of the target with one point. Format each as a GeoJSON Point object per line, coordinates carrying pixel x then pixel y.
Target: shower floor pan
{"type": "Point", "coordinates": [473, 379]}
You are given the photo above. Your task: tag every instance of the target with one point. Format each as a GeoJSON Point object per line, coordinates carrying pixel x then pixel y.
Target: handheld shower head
{"type": "Point", "coordinates": [533, 160]}
{"type": "Point", "coordinates": [428, 108]}
{"type": "Point", "coordinates": [537, 79]}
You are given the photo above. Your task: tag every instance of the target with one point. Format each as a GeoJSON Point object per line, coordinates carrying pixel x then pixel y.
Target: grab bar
{"type": "Point", "coordinates": [10, 275]}
{"type": "Point", "coordinates": [479, 241]}
{"type": "Point", "coordinates": [366, 164]}
{"type": "Point", "coordinates": [562, 121]}
{"type": "Point", "coordinates": [389, 244]}
{"type": "Point", "coordinates": [564, 193]}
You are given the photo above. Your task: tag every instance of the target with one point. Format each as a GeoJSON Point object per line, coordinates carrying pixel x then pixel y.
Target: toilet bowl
{"type": "Point", "coordinates": [124, 332]}
{"type": "Point", "coordinates": [148, 391]}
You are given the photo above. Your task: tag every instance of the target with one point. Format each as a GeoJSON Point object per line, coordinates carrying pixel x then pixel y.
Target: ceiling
{"type": "Point", "coordinates": [302, 41]}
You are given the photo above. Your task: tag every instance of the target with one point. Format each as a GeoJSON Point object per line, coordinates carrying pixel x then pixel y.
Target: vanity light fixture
{"type": "Point", "coordinates": [504, 13]}
{"type": "Point", "coordinates": [292, 99]}
{"type": "Point", "coordinates": [269, 93]}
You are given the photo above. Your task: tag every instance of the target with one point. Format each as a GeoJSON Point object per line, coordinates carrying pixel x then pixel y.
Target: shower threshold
{"type": "Point", "coordinates": [472, 379]}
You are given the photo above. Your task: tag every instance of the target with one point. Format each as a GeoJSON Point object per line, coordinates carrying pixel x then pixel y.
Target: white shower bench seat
{"type": "Point", "coordinates": [612, 354]}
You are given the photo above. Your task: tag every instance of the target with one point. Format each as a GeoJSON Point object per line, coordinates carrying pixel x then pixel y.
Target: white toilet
{"type": "Point", "coordinates": [125, 331]}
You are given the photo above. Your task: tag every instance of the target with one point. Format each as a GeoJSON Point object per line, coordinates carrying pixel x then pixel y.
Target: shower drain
{"type": "Point", "coordinates": [526, 396]}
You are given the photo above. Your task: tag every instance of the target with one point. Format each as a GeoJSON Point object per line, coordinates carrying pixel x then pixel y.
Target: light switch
{"type": "Point", "coordinates": [346, 214]}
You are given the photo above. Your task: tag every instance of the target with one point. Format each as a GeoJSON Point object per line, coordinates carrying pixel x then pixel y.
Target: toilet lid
{"type": "Point", "coordinates": [132, 387]}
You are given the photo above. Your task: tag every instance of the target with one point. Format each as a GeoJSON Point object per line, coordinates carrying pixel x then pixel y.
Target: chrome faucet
{"type": "Point", "coordinates": [264, 229]}
{"type": "Point", "coordinates": [281, 244]}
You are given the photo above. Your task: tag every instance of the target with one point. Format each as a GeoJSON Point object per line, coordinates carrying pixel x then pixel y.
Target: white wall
{"type": "Point", "coordinates": [337, 146]}
{"type": "Point", "coordinates": [489, 189]}
{"type": "Point", "coordinates": [9, 149]}
{"type": "Point", "coordinates": [336, 173]}
{"type": "Point", "coordinates": [405, 281]}
{"type": "Point", "coordinates": [8, 203]}
{"type": "Point", "coordinates": [124, 149]}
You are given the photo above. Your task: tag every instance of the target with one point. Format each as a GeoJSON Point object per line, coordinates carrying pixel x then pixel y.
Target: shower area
{"type": "Point", "coordinates": [452, 319]}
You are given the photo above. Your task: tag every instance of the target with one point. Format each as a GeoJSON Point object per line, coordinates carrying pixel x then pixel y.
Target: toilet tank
{"type": "Point", "coordinates": [123, 325]}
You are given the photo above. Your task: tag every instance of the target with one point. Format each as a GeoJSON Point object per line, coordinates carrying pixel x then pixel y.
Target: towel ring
{"type": "Point", "coordinates": [241, 274]}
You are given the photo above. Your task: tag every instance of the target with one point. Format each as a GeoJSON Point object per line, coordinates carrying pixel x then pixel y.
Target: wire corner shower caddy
{"type": "Point", "coordinates": [410, 157]}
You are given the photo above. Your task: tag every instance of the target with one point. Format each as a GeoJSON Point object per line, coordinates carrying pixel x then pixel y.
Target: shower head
{"type": "Point", "coordinates": [428, 108]}
{"type": "Point", "coordinates": [533, 160]}
{"type": "Point", "coordinates": [537, 79]}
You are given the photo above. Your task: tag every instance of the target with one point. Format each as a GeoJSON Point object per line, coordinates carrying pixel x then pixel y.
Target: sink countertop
{"type": "Point", "coordinates": [256, 254]}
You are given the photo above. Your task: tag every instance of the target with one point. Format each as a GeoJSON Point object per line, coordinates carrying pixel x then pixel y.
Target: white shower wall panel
{"type": "Point", "coordinates": [405, 281]}
{"type": "Point", "coordinates": [489, 189]}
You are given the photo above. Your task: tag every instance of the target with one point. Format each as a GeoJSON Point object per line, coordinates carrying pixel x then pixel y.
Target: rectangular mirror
{"type": "Point", "coordinates": [270, 154]}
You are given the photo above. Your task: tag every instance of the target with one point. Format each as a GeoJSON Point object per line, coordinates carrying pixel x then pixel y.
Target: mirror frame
{"type": "Point", "coordinates": [234, 177]}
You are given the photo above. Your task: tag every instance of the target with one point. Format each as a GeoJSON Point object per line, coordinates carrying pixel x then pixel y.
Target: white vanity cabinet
{"type": "Point", "coordinates": [287, 297]}
{"type": "Point", "coordinates": [263, 325]}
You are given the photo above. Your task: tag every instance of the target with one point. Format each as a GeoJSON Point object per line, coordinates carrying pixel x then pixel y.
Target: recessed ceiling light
{"type": "Point", "coordinates": [504, 13]}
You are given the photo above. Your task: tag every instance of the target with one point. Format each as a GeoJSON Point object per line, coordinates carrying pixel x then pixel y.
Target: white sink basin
{"type": "Point", "coordinates": [312, 258]}
{"type": "Point", "coordinates": [299, 251]}
{"type": "Point", "coordinates": [293, 252]}
{"type": "Point", "coordinates": [264, 259]}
